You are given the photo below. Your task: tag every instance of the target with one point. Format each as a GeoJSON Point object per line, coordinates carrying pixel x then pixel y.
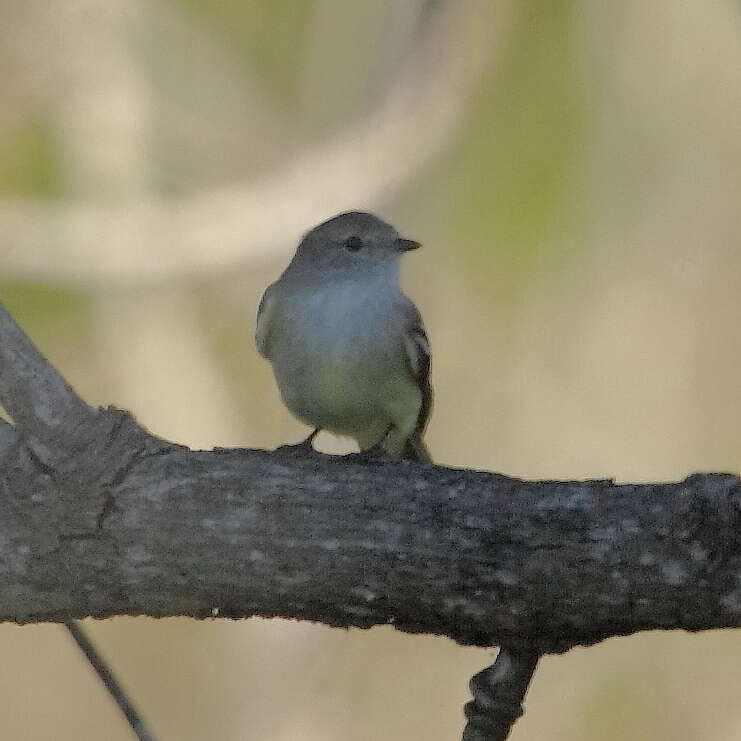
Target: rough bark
{"type": "Point", "coordinates": [99, 517]}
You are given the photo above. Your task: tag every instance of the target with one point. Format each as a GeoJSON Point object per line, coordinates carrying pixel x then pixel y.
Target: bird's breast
{"type": "Point", "coordinates": [337, 350]}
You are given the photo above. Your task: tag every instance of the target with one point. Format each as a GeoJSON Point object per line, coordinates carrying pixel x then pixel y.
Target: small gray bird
{"type": "Point", "coordinates": [348, 348]}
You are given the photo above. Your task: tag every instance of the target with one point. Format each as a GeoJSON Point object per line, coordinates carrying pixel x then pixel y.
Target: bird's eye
{"type": "Point", "coordinates": [353, 244]}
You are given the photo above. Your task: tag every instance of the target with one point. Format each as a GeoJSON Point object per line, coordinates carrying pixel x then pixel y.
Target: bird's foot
{"type": "Point", "coordinates": [375, 454]}
{"type": "Point", "coordinates": [304, 448]}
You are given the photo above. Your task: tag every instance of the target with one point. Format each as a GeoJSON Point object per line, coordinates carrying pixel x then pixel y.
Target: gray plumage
{"type": "Point", "coordinates": [348, 349]}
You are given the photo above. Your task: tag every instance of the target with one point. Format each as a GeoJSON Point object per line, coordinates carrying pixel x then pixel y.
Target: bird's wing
{"type": "Point", "coordinates": [262, 325]}
{"type": "Point", "coordinates": [417, 348]}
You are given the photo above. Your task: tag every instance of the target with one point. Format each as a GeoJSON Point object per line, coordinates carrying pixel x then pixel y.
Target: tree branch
{"type": "Point", "coordinates": [38, 399]}
{"type": "Point", "coordinates": [50, 416]}
{"type": "Point", "coordinates": [498, 692]}
{"type": "Point", "coordinates": [120, 522]}
{"type": "Point", "coordinates": [99, 518]}
{"type": "Point", "coordinates": [481, 558]}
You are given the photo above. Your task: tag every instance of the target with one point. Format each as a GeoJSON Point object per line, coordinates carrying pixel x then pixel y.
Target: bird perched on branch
{"type": "Point", "coordinates": [348, 348]}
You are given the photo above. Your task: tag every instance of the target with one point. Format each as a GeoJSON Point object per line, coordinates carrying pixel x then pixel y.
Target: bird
{"type": "Point", "coordinates": [348, 348]}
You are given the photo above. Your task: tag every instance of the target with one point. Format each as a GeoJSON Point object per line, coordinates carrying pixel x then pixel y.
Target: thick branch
{"type": "Point", "coordinates": [127, 524]}
{"type": "Point", "coordinates": [478, 557]}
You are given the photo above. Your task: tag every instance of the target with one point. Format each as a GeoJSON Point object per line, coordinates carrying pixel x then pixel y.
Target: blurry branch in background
{"type": "Point", "coordinates": [99, 518]}
{"type": "Point", "coordinates": [364, 162]}
{"type": "Point", "coordinates": [107, 133]}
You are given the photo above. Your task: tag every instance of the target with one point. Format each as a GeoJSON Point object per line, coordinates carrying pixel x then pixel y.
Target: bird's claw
{"type": "Point", "coordinates": [375, 454]}
{"type": "Point", "coordinates": [304, 448]}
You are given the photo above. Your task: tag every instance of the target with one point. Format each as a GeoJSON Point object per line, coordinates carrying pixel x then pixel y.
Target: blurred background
{"type": "Point", "coordinates": [574, 172]}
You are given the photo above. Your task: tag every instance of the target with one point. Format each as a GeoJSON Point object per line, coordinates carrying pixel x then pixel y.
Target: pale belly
{"type": "Point", "coordinates": [349, 380]}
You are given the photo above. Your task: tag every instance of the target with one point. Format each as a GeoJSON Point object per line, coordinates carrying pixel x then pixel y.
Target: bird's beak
{"type": "Point", "coordinates": [404, 245]}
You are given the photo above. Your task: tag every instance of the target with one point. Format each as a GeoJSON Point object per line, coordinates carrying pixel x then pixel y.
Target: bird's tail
{"type": "Point", "coordinates": [416, 450]}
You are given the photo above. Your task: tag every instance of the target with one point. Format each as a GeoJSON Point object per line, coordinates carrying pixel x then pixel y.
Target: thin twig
{"type": "Point", "coordinates": [109, 681]}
